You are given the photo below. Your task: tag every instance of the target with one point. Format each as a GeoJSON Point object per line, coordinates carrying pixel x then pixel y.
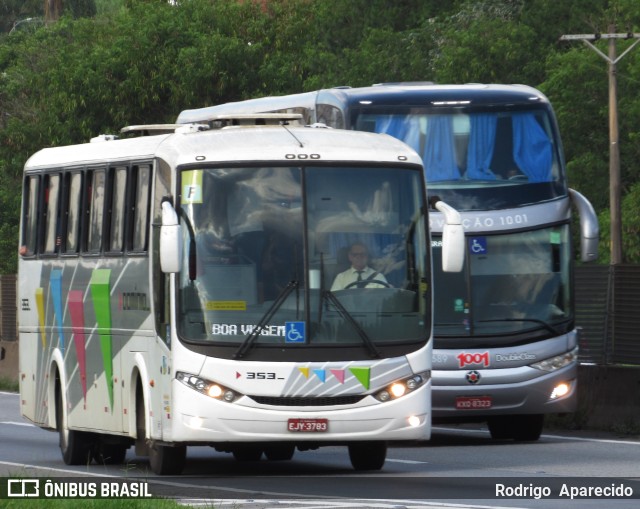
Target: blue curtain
{"type": "Point", "coordinates": [406, 129]}
{"type": "Point", "coordinates": [439, 156]}
{"type": "Point", "coordinates": [531, 148]}
{"type": "Point", "coordinates": [482, 138]}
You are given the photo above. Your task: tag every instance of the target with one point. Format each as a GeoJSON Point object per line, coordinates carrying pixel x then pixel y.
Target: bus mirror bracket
{"type": "Point", "coordinates": [170, 240]}
{"type": "Point", "coordinates": [452, 238]}
{"type": "Point", "coordinates": [589, 228]}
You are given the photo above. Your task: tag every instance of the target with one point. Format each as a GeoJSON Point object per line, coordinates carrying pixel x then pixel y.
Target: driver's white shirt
{"type": "Point", "coordinates": [350, 275]}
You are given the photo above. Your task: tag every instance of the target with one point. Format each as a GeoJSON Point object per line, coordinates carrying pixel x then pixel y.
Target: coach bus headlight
{"type": "Point", "coordinates": [206, 387]}
{"type": "Point", "coordinates": [557, 362]}
{"type": "Point", "coordinates": [399, 388]}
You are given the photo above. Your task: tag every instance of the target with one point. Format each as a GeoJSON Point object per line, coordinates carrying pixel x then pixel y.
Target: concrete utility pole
{"type": "Point", "coordinates": [614, 148]}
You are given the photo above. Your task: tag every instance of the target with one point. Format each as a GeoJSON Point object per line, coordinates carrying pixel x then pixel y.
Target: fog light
{"type": "Point", "coordinates": [560, 390]}
{"type": "Point", "coordinates": [414, 421]}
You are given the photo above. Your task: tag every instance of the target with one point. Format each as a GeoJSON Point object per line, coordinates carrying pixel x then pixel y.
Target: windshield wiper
{"type": "Point", "coordinates": [373, 351]}
{"type": "Point", "coordinates": [253, 335]}
{"type": "Point", "coordinates": [544, 324]}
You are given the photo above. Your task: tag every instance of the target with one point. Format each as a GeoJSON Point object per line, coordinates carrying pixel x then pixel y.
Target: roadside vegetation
{"type": "Point", "coordinates": [94, 66]}
{"type": "Point", "coordinates": [8, 385]}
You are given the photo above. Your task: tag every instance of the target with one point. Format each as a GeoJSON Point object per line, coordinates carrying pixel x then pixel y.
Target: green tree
{"type": "Point", "coordinates": [107, 64]}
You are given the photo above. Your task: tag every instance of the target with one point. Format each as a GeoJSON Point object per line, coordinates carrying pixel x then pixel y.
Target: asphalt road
{"type": "Point", "coordinates": [460, 467]}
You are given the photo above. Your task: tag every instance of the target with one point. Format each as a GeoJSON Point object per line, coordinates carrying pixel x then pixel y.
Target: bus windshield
{"type": "Point", "coordinates": [264, 248]}
{"type": "Point", "coordinates": [513, 283]}
{"type": "Point", "coordinates": [477, 159]}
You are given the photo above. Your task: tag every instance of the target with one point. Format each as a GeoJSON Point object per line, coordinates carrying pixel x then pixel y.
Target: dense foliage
{"type": "Point", "coordinates": [106, 64]}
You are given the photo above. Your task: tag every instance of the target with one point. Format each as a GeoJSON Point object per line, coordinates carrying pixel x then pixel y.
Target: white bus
{"type": "Point", "coordinates": [174, 290]}
{"type": "Point", "coordinates": [505, 339]}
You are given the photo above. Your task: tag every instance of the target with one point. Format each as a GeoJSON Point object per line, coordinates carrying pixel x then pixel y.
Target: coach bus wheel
{"type": "Point", "coordinates": [528, 428]}
{"type": "Point", "coordinates": [167, 460]}
{"type": "Point", "coordinates": [368, 455]}
{"type": "Point", "coordinates": [523, 428]}
{"type": "Point", "coordinates": [500, 427]}
{"type": "Point", "coordinates": [75, 446]}
{"type": "Point", "coordinates": [279, 452]}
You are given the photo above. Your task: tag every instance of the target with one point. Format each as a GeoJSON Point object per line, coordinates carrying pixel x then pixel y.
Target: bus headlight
{"type": "Point", "coordinates": [557, 362]}
{"type": "Point", "coordinates": [207, 387]}
{"type": "Point", "coordinates": [399, 388]}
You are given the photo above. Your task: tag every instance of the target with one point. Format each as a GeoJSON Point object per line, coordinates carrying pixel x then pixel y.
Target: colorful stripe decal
{"type": "Point", "coordinates": [100, 290]}
{"type": "Point", "coordinates": [362, 374]}
{"type": "Point", "coordinates": [76, 310]}
{"type": "Point", "coordinates": [339, 374]}
{"type": "Point", "coordinates": [40, 305]}
{"type": "Point", "coordinates": [56, 295]}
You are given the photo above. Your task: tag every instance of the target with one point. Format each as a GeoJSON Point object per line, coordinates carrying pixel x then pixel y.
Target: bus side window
{"type": "Point", "coordinates": [51, 211]}
{"type": "Point", "coordinates": [95, 210]}
{"type": "Point", "coordinates": [30, 222]}
{"type": "Point", "coordinates": [330, 115]}
{"type": "Point", "coordinates": [117, 210]}
{"type": "Point", "coordinates": [73, 199]}
{"type": "Point", "coordinates": [140, 217]}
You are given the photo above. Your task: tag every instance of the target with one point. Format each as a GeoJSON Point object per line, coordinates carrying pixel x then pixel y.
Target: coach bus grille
{"type": "Point", "coordinates": [310, 401]}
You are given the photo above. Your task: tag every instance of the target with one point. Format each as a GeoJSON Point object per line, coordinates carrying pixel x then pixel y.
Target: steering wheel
{"type": "Point", "coordinates": [365, 282]}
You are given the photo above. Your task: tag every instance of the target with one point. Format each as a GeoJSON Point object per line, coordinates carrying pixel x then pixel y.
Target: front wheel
{"type": "Point", "coordinates": [528, 427]}
{"type": "Point", "coordinates": [368, 455]}
{"type": "Point", "coordinates": [75, 446]}
{"type": "Point", "coordinates": [167, 460]}
{"type": "Point", "coordinates": [522, 428]}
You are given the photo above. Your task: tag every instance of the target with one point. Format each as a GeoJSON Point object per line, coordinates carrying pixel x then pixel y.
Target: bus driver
{"type": "Point", "coordinates": [359, 275]}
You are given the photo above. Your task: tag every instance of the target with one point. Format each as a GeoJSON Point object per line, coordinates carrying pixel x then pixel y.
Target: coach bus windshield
{"type": "Point", "coordinates": [478, 160]}
{"type": "Point", "coordinates": [264, 247]}
{"type": "Point", "coordinates": [514, 284]}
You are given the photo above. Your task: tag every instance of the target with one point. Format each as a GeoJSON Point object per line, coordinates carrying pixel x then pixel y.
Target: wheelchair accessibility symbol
{"type": "Point", "coordinates": [478, 245]}
{"type": "Point", "coordinates": [294, 332]}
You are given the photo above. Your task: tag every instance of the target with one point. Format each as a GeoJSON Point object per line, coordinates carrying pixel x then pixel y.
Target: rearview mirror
{"type": "Point", "coordinates": [170, 240]}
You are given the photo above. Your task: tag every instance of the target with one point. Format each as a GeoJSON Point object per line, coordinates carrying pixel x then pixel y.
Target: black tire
{"type": "Point", "coordinates": [501, 427]}
{"type": "Point", "coordinates": [528, 428]}
{"type": "Point", "coordinates": [279, 452]}
{"type": "Point", "coordinates": [522, 428]}
{"type": "Point", "coordinates": [247, 453]}
{"type": "Point", "coordinates": [167, 460]}
{"type": "Point", "coordinates": [75, 446]}
{"type": "Point", "coordinates": [368, 455]}
{"type": "Point", "coordinates": [163, 459]}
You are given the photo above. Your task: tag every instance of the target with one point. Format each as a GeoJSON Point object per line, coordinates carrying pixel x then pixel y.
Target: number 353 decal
{"type": "Point", "coordinates": [259, 375]}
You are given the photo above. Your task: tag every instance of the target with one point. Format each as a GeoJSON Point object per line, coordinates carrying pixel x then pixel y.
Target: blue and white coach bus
{"type": "Point", "coordinates": [175, 290]}
{"type": "Point", "coordinates": [505, 339]}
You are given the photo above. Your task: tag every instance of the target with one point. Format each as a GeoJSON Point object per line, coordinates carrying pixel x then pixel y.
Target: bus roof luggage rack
{"type": "Point", "coordinates": [150, 129]}
{"type": "Point", "coordinates": [254, 120]}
